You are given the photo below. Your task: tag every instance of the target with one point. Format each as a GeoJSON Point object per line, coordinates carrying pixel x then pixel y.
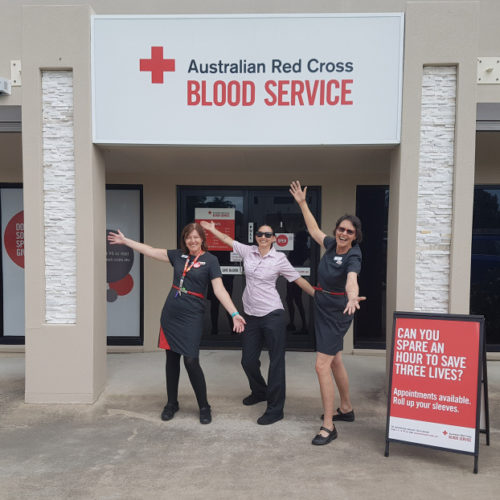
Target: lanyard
{"type": "Point", "coordinates": [186, 270]}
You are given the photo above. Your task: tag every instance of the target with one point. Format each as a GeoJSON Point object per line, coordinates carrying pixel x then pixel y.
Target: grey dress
{"type": "Point", "coordinates": [330, 323]}
{"type": "Point", "coordinates": [182, 315]}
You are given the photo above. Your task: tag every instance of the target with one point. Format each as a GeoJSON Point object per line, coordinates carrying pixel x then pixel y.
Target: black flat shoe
{"type": "Point", "coordinates": [269, 418]}
{"type": "Point", "coordinates": [345, 417]}
{"type": "Point", "coordinates": [320, 440]}
{"type": "Point", "coordinates": [205, 415]}
{"type": "Point", "coordinates": [252, 400]}
{"type": "Point", "coordinates": [169, 411]}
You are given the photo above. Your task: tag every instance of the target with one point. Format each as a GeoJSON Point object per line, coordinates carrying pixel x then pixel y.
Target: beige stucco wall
{"type": "Point", "coordinates": [64, 363]}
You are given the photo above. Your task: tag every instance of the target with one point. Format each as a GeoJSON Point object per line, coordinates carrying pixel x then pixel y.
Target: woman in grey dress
{"type": "Point", "coordinates": [335, 302]}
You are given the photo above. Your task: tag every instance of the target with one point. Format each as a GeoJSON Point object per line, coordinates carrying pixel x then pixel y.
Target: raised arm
{"type": "Point", "coordinates": [224, 298]}
{"type": "Point", "coordinates": [352, 290]}
{"type": "Point", "coordinates": [312, 226]}
{"type": "Point", "coordinates": [210, 226]}
{"type": "Point", "coordinates": [155, 253]}
{"type": "Point", "coordinates": [305, 285]}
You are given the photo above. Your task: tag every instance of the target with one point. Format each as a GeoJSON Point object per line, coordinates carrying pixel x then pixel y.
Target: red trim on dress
{"type": "Point", "coordinates": [162, 340]}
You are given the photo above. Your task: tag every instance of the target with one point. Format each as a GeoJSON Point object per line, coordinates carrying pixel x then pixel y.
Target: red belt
{"type": "Point", "coordinates": [326, 291]}
{"type": "Point", "coordinates": [196, 294]}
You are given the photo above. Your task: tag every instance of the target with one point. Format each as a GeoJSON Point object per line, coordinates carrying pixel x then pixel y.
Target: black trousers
{"type": "Point", "coordinates": [268, 329]}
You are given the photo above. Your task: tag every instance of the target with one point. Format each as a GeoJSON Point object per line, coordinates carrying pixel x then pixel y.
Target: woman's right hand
{"type": "Point", "coordinates": [297, 192]}
{"type": "Point", "coordinates": [209, 226]}
{"type": "Point", "coordinates": [239, 323]}
{"type": "Point", "coordinates": [116, 238]}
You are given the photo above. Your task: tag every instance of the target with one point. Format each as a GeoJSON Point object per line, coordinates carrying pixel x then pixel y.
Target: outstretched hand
{"type": "Point", "coordinates": [353, 305]}
{"type": "Point", "coordinates": [209, 226]}
{"type": "Point", "coordinates": [297, 192]}
{"type": "Point", "coordinates": [116, 238]}
{"type": "Point", "coordinates": [239, 323]}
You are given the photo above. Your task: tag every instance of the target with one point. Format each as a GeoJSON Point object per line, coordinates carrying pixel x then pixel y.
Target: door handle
{"type": "Point", "coordinates": [250, 232]}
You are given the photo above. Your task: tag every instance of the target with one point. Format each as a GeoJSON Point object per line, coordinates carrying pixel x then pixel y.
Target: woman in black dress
{"type": "Point", "coordinates": [334, 307]}
{"type": "Point", "coordinates": [182, 315]}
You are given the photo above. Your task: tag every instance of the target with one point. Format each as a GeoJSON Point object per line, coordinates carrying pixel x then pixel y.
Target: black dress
{"type": "Point", "coordinates": [330, 323]}
{"type": "Point", "coordinates": [182, 315]}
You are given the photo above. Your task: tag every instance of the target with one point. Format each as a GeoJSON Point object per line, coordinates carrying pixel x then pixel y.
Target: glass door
{"type": "Point", "coordinates": [240, 211]}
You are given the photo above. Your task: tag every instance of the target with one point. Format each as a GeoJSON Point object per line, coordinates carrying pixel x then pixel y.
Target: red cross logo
{"type": "Point", "coordinates": [157, 65]}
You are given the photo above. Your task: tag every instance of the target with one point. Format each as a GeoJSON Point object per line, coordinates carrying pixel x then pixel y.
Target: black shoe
{"type": "Point", "coordinates": [169, 411]}
{"type": "Point", "coordinates": [205, 415]}
{"type": "Point", "coordinates": [269, 418]}
{"type": "Point", "coordinates": [320, 440]}
{"type": "Point", "coordinates": [252, 400]}
{"type": "Point", "coordinates": [346, 417]}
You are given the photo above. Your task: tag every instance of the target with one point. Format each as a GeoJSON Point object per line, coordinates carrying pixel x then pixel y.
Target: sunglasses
{"type": "Point", "coordinates": [266, 234]}
{"type": "Point", "coordinates": [341, 229]}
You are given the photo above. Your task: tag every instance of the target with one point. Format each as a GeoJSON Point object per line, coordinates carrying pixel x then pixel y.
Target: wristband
{"type": "Point", "coordinates": [234, 314]}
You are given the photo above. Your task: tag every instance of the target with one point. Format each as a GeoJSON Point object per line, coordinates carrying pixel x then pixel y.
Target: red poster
{"type": "Point", "coordinates": [224, 222]}
{"type": "Point", "coordinates": [434, 383]}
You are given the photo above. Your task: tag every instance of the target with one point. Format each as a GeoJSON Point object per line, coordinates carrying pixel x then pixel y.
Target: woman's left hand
{"type": "Point", "coordinates": [353, 305]}
{"type": "Point", "coordinates": [209, 226]}
{"type": "Point", "coordinates": [239, 323]}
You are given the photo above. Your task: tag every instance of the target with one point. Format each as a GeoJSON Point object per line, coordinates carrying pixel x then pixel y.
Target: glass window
{"type": "Point", "coordinates": [372, 207]}
{"type": "Point", "coordinates": [485, 262]}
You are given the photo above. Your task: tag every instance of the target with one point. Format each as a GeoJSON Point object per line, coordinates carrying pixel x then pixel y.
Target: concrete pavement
{"type": "Point", "coordinates": [119, 448]}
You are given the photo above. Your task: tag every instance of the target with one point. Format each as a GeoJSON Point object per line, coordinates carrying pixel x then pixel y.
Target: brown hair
{"type": "Point", "coordinates": [355, 222]}
{"type": "Point", "coordinates": [193, 226]}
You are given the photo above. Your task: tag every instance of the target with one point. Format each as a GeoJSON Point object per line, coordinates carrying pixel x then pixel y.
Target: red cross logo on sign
{"type": "Point", "coordinates": [157, 65]}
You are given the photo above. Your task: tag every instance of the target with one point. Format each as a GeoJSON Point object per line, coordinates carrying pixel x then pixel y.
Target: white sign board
{"type": "Point", "coordinates": [247, 79]}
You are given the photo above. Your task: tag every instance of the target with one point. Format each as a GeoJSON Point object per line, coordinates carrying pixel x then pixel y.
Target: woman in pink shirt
{"type": "Point", "coordinates": [265, 316]}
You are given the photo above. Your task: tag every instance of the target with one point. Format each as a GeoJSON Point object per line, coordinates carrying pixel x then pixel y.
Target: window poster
{"type": "Point", "coordinates": [223, 218]}
{"type": "Point", "coordinates": [12, 219]}
{"type": "Point", "coordinates": [123, 266]}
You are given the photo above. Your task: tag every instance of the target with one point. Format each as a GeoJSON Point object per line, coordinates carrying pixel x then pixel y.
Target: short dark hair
{"type": "Point", "coordinates": [355, 222]}
{"type": "Point", "coordinates": [193, 226]}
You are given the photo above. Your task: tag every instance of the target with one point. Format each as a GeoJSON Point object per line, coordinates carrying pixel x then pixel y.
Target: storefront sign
{"type": "Point", "coordinates": [435, 381]}
{"type": "Point", "coordinates": [247, 79]}
{"type": "Point", "coordinates": [231, 270]}
{"type": "Point", "coordinates": [223, 218]}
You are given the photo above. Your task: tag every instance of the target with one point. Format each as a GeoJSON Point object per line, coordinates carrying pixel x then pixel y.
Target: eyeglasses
{"type": "Point", "coordinates": [341, 229]}
{"type": "Point", "coordinates": [266, 234]}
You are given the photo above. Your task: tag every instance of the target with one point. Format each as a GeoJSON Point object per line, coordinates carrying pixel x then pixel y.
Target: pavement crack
{"type": "Point", "coordinates": [132, 414]}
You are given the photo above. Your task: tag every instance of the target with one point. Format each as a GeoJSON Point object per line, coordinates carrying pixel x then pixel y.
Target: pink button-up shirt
{"type": "Point", "coordinates": [260, 296]}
